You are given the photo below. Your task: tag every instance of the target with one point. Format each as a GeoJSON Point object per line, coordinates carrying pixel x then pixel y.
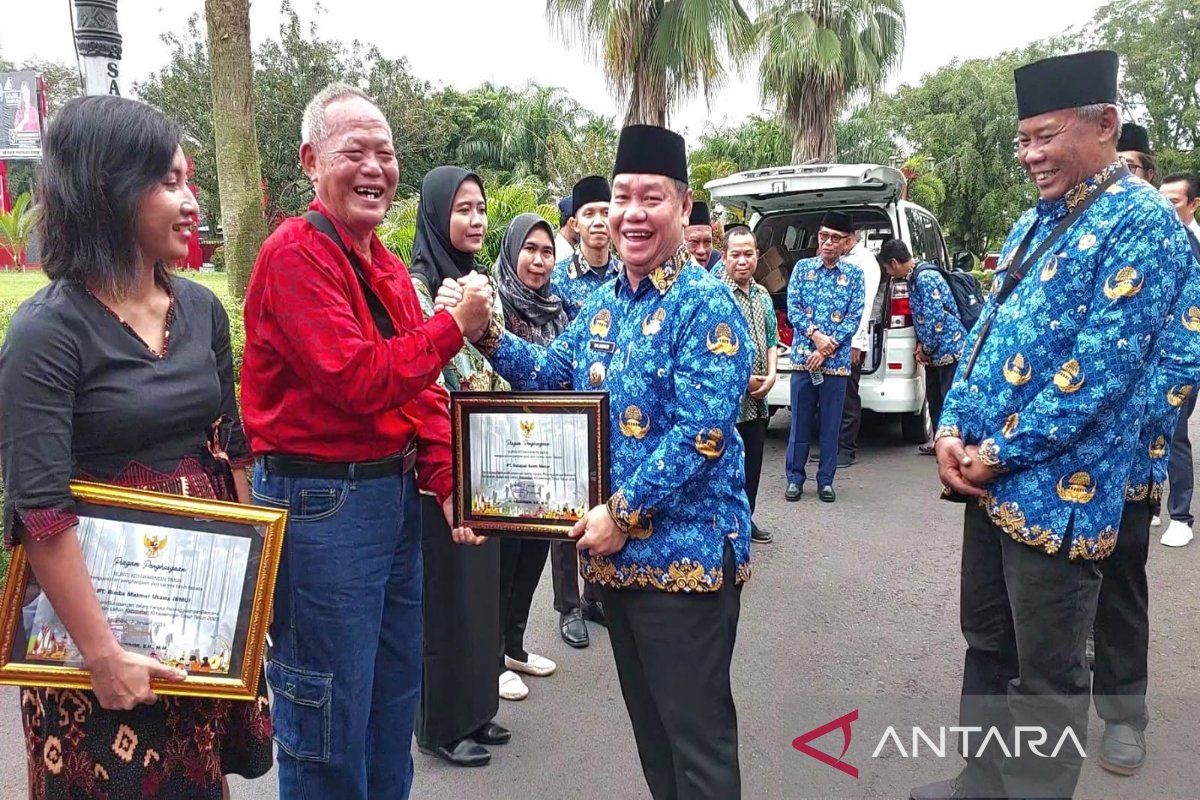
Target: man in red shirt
{"type": "Point", "coordinates": [347, 421]}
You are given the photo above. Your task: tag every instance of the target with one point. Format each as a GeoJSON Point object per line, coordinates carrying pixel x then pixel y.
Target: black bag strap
{"type": "Point", "coordinates": [378, 313]}
{"type": "Point", "coordinates": [1019, 264]}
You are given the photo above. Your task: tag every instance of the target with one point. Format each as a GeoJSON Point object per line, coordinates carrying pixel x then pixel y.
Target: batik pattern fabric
{"type": "Point", "coordinates": [574, 280]}
{"type": "Point", "coordinates": [1174, 377]}
{"type": "Point", "coordinates": [674, 356]}
{"type": "Point", "coordinates": [469, 370]}
{"type": "Point", "coordinates": [1059, 387]}
{"type": "Point", "coordinates": [935, 316]}
{"type": "Point", "coordinates": [828, 300]}
{"type": "Point", "coordinates": [759, 312]}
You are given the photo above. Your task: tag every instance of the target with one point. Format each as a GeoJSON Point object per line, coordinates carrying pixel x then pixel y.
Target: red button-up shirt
{"type": "Point", "coordinates": [318, 379]}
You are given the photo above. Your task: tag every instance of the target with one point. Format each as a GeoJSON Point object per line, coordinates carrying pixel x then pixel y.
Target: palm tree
{"type": "Point", "coordinates": [517, 139]}
{"type": "Point", "coordinates": [655, 52]}
{"type": "Point", "coordinates": [818, 54]}
{"type": "Point", "coordinates": [16, 227]}
{"type": "Point", "coordinates": [239, 171]}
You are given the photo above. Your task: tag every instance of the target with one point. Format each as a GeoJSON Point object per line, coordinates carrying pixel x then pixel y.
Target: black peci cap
{"type": "Point", "coordinates": [1070, 81]}
{"type": "Point", "coordinates": [651, 150]}
{"type": "Point", "coordinates": [592, 189]}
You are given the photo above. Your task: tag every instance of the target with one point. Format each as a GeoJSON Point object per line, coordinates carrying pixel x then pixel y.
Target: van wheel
{"type": "Point", "coordinates": [916, 428]}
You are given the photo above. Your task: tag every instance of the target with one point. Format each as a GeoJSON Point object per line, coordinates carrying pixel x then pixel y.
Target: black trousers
{"type": "Point", "coordinates": [564, 573]}
{"type": "Point", "coordinates": [1026, 616]}
{"type": "Point", "coordinates": [937, 386]}
{"type": "Point", "coordinates": [1179, 468]}
{"type": "Point", "coordinates": [1122, 628]}
{"type": "Point", "coordinates": [673, 652]}
{"type": "Point", "coordinates": [754, 437]}
{"type": "Point", "coordinates": [851, 414]}
{"type": "Point", "coordinates": [521, 565]}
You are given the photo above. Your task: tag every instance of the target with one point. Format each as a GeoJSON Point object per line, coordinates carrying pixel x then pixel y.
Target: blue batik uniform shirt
{"type": "Point", "coordinates": [674, 356]}
{"type": "Point", "coordinates": [825, 299]}
{"type": "Point", "coordinates": [1057, 393]}
{"type": "Point", "coordinates": [1171, 382]}
{"type": "Point", "coordinates": [574, 280]}
{"type": "Point", "coordinates": [935, 315]}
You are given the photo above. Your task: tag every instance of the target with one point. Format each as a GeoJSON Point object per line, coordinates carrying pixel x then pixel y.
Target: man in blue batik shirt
{"type": "Point", "coordinates": [940, 332]}
{"type": "Point", "coordinates": [592, 263]}
{"type": "Point", "coordinates": [825, 304]}
{"type": "Point", "coordinates": [1041, 425]}
{"type": "Point", "coordinates": [670, 548]}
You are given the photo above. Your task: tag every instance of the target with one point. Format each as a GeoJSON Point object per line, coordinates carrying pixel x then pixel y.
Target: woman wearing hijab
{"type": "Point", "coordinates": [462, 584]}
{"type": "Point", "coordinates": [530, 311]}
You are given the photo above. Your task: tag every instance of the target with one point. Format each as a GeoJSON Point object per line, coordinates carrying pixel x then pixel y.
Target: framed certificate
{"type": "Point", "coordinates": [188, 582]}
{"type": "Point", "coordinates": [528, 464]}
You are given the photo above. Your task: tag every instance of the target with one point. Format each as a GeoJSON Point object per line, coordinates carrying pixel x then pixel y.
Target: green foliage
{"type": "Point", "coordinates": [504, 202]}
{"type": "Point", "coordinates": [16, 226]}
{"type": "Point", "coordinates": [758, 142]}
{"type": "Point", "coordinates": [218, 259]}
{"type": "Point", "coordinates": [657, 53]}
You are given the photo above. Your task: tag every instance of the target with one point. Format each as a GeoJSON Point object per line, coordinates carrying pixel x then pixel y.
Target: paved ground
{"type": "Point", "coordinates": [854, 606]}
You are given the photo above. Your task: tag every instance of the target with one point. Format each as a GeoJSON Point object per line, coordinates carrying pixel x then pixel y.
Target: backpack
{"type": "Point", "coordinates": [968, 293]}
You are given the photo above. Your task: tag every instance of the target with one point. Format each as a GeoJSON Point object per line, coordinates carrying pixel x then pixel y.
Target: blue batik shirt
{"type": "Point", "coordinates": [1172, 381]}
{"type": "Point", "coordinates": [574, 280]}
{"type": "Point", "coordinates": [935, 315]}
{"type": "Point", "coordinates": [825, 299]}
{"type": "Point", "coordinates": [1057, 392]}
{"type": "Point", "coordinates": [674, 356]}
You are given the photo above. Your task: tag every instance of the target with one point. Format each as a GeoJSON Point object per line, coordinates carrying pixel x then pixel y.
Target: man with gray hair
{"type": "Point", "coordinates": [1039, 429]}
{"type": "Point", "coordinates": [347, 421]}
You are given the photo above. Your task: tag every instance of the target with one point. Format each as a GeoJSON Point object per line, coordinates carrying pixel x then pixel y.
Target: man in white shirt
{"type": "Point", "coordinates": [567, 236]}
{"type": "Point", "coordinates": [1183, 190]}
{"type": "Point", "coordinates": [858, 255]}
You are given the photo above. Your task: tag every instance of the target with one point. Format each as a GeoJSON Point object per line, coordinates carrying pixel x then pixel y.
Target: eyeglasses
{"type": "Point", "coordinates": [835, 238]}
{"type": "Point", "coordinates": [1133, 166]}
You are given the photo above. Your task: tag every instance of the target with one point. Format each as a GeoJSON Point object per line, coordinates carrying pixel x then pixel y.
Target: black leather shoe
{"type": "Point", "coordinates": [463, 753]}
{"type": "Point", "coordinates": [844, 461]}
{"type": "Point", "coordinates": [815, 458]}
{"type": "Point", "coordinates": [491, 733]}
{"type": "Point", "coordinates": [794, 492]}
{"type": "Point", "coordinates": [573, 629]}
{"type": "Point", "coordinates": [827, 494]}
{"type": "Point", "coordinates": [1123, 750]}
{"type": "Point", "coordinates": [942, 790]}
{"type": "Point", "coordinates": [594, 612]}
{"type": "Point", "coordinates": [757, 534]}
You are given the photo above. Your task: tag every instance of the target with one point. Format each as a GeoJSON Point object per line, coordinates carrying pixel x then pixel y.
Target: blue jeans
{"type": "Point", "coordinates": [347, 635]}
{"type": "Point", "coordinates": [826, 401]}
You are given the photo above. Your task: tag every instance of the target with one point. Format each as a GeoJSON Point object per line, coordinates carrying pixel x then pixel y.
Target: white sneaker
{"type": "Point", "coordinates": [512, 687]}
{"type": "Point", "coordinates": [538, 666]}
{"type": "Point", "coordinates": [1177, 534]}
{"type": "Point", "coordinates": [1155, 521]}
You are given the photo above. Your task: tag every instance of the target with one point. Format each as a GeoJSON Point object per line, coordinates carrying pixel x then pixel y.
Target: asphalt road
{"type": "Point", "coordinates": [853, 607]}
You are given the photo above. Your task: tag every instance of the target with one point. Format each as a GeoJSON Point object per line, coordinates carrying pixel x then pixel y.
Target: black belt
{"type": "Point", "coordinates": [293, 467]}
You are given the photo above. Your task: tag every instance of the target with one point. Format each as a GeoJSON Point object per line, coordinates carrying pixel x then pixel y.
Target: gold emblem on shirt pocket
{"type": "Point", "coordinates": [1079, 488]}
{"type": "Point", "coordinates": [601, 323]}
{"type": "Point", "coordinates": [722, 341]}
{"type": "Point", "coordinates": [1191, 319]}
{"type": "Point", "coordinates": [634, 424]}
{"type": "Point", "coordinates": [1126, 283]}
{"type": "Point", "coordinates": [1017, 370]}
{"type": "Point", "coordinates": [1069, 378]}
{"type": "Point", "coordinates": [596, 374]}
{"type": "Point", "coordinates": [836, 317]}
{"type": "Point", "coordinates": [1050, 270]}
{"type": "Point", "coordinates": [653, 323]}
{"type": "Point", "coordinates": [1178, 395]}
{"type": "Point", "coordinates": [710, 444]}
{"type": "Point", "coordinates": [843, 280]}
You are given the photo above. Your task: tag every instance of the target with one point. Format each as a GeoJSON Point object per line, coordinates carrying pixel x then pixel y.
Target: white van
{"type": "Point", "coordinates": [784, 206]}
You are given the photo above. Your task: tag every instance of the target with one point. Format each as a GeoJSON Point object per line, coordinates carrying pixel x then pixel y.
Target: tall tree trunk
{"type": "Point", "coordinates": [239, 173]}
{"type": "Point", "coordinates": [811, 111]}
{"type": "Point", "coordinates": [647, 98]}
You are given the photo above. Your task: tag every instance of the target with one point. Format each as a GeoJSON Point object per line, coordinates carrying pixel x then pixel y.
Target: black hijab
{"type": "Point", "coordinates": [539, 308]}
{"type": "Point", "coordinates": [434, 258]}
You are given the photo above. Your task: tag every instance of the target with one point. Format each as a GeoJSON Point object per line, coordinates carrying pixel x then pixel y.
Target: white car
{"type": "Point", "coordinates": [784, 206]}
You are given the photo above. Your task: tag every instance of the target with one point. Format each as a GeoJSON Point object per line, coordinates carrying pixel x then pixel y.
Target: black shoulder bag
{"type": "Point", "coordinates": [378, 313]}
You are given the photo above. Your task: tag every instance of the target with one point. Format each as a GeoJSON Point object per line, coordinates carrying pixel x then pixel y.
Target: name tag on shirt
{"type": "Point", "coordinates": [604, 347]}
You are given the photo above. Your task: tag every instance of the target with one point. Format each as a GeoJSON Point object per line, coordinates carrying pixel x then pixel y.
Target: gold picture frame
{"type": "Point", "coordinates": [161, 564]}
{"type": "Point", "coordinates": [559, 443]}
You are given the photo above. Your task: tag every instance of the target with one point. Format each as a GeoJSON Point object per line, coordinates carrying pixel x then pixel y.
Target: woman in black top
{"type": "Point", "coordinates": [119, 372]}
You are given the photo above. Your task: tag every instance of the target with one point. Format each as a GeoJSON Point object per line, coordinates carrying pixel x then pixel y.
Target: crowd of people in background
{"type": "Point", "coordinates": [118, 369]}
